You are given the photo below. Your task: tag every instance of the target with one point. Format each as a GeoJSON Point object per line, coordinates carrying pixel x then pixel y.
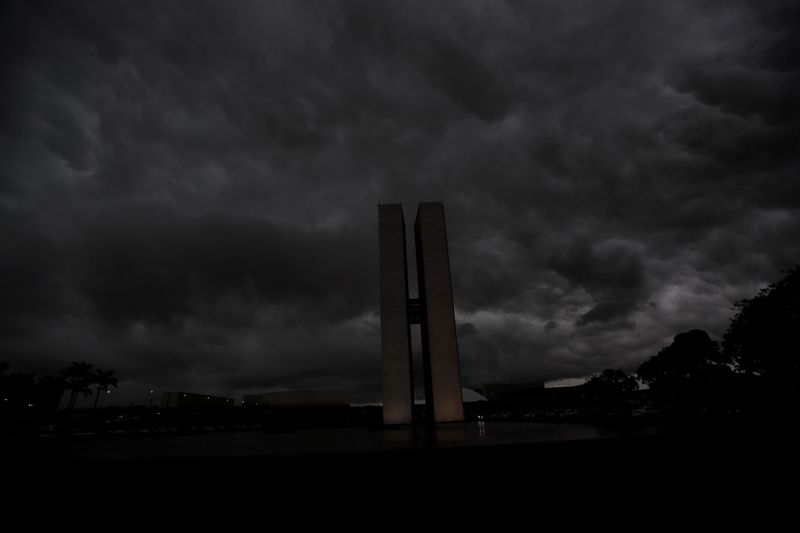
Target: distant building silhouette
{"type": "Point", "coordinates": [472, 395]}
{"type": "Point", "coordinates": [433, 311]}
{"type": "Point", "coordinates": [192, 400]}
{"type": "Point", "coordinates": [297, 399]}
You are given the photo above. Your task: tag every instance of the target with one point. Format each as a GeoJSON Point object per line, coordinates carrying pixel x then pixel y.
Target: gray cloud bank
{"type": "Point", "coordinates": [188, 190]}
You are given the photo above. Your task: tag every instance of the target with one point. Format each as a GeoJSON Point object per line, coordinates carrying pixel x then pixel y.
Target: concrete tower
{"type": "Point", "coordinates": [439, 343]}
{"type": "Point", "coordinates": [398, 386]}
{"type": "Point", "coordinates": [433, 311]}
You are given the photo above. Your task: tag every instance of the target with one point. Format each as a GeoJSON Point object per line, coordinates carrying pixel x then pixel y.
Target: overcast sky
{"type": "Point", "coordinates": [189, 190]}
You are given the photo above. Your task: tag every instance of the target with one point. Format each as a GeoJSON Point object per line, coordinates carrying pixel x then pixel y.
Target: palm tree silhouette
{"type": "Point", "coordinates": [78, 377]}
{"type": "Point", "coordinates": [103, 380]}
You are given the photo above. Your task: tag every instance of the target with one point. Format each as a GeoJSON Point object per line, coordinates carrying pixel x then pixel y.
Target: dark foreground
{"type": "Point", "coordinates": [677, 468]}
{"type": "Point", "coordinates": [708, 476]}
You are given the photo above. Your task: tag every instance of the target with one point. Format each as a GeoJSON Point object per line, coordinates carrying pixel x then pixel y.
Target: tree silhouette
{"type": "Point", "coordinates": [689, 368]}
{"type": "Point", "coordinates": [612, 384]}
{"type": "Point", "coordinates": [104, 380]}
{"type": "Point", "coordinates": [762, 340]}
{"type": "Point", "coordinates": [78, 377]}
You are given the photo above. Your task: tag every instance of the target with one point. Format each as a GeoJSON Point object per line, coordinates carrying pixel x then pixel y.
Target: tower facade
{"type": "Point", "coordinates": [398, 384]}
{"type": "Point", "coordinates": [433, 311]}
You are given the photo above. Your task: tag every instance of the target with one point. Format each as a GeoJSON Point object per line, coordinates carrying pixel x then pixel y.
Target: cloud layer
{"type": "Point", "coordinates": [188, 190]}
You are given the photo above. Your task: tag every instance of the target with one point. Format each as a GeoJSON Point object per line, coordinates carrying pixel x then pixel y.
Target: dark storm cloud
{"type": "Point", "coordinates": [170, 265]}
{"type": "Point", "coordinates": [188, 189]}
{"type": "Point", "coordinates": [613, 273]}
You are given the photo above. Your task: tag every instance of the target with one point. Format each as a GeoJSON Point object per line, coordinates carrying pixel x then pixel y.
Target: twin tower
{"type": "Point", "coordinates": [433, 311]}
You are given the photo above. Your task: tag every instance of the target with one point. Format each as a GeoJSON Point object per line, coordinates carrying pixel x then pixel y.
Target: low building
{"type": "Point", "coordinates": [191, 400]}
